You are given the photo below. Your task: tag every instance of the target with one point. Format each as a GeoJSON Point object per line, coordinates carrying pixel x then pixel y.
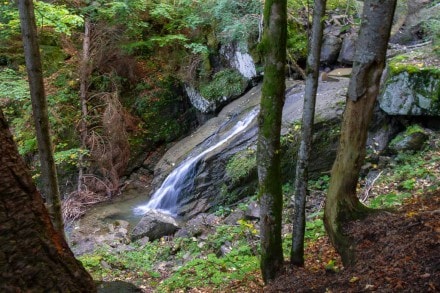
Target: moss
{"type": "Point", "coordinates": [225, 83]}
{"type": "Point", "coordinates": [410, 130]}
{"type": "Point", "coordinates": [241, 165]}
{"type": "Point", "coordinates": [422, 80]}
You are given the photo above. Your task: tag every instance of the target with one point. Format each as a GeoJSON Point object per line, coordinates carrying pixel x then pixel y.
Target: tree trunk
{"type": "Point", "coordinates": [34, 257]}
{"type": "Point", "coordinates": [342, 203]}
{"type": "Point", "coordinates": [301, 177]}
{"type": "Point", "coordinates": [49, 179]}
{"type": "Point", "coordinates": [273, 47]}
{"type": "Point", "coordinates": [84, 78]}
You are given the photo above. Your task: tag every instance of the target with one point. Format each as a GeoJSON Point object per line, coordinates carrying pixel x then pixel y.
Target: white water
{"type": "Point", "coordinates": [182, 177]}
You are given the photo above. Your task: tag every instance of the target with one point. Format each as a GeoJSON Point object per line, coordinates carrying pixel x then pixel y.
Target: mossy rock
{"type": "Point", "coordinates": [412, 86]}
{"type": "Point", "coordinates": [412, 139]}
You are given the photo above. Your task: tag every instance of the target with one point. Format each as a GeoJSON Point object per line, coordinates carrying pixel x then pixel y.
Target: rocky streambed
{"type": "Point", "coordinates": [112, 222]}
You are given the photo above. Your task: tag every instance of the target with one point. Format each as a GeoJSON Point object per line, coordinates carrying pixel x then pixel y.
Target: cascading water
{"type": "Point", "coordinates": [181, 178]}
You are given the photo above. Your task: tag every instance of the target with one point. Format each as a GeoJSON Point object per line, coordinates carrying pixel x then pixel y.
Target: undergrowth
{"type": "Point", "coordinates": [231, 253]}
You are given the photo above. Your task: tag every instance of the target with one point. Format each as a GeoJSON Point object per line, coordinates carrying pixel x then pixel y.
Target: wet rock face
{"type": "Point", "coordinates": [154, 225]}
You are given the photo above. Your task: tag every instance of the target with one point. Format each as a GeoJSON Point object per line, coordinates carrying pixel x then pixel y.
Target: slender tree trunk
{"type": "Point", "coordinates": [34, 257]}
{"type": "Point", "coordinates": [39, 108]}
{"type": "Point", "coordinates": [342, 203]}
{"type": "Point", "coordinates": [84, 78]}
{"type": "Point", "coordinates": [273, 47]}
{"type": "Point", "coordinates": [302, 164]}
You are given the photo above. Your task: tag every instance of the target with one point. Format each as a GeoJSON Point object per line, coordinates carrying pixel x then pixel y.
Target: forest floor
{"type": "Point", "coordinates": [396, 251]}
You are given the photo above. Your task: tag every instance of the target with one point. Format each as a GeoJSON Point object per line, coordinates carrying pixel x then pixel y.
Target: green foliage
{"type": "Point", "coordinates": [57, 17]}
{"type": "Point", "coordinates": [314, 229]}
{"type": "Point", "coordinates": [241, 165]}
{"type": "Point", "coordinates": [232, 21]}
{"type": "Point", "coordinates": [50, 15]}
{"type": "Point", "coordinates": [389, 200]}
{"type": "Point", "coordinates": [212, 271]}
{"type": "Point", "coordinates": [158, 106]}
{"type": "Point", "coordinates": [321, 183]}
{"type": "Point", "coordinates": [204, 265]}
{"type": "Point", "coordinates": [69, 156]}
{"type": "Point", "coordinates": [225, 83]}
{"type": "Point", "coordinates": [13, 87]}
{"type": "Point", "coordinates": [432, 29]}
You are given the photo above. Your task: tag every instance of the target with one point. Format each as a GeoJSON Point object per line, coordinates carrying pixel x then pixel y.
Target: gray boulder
{"type": "Point", "coordinates": [202, 224]}
{"type": "Point", "coordinates": [253, 210]}
{"type": "Point", "coordinates": [412, 139]}
{"type": "Point", "coordinates": [331, 45]}
{"type": "Point", "coordinates": [154, 225]}
{"type": "Point", "coordinates": [409, 90]}
{"type": "Point", "coordinates": [346, 55]}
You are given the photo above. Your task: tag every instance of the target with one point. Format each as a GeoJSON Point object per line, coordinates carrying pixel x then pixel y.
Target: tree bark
{"type": "Point", "coordinates": [342, 203]}
{"type": "Point", "coordinates": [85, 72]}
{"type": "Point", "coordinates": [49, 179]}
{"type": "Point", "coordinates": [301, 177]}
{"type": "Point", "coordinates": [34, 257]}
{"type": "Point", "coordinates": [273, 48]}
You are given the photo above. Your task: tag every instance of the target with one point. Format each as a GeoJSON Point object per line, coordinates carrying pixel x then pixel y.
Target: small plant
{"type": "Point", "coordinates": [321, 183]}
{"type": "Point", "coordinates": [241, 165]}
{"type": "Point", "coordinates": [314, 229]}
{"type": "Point", "coordinates": [389, 200]}
{"type": "Point", "coordinates": [225, 83]}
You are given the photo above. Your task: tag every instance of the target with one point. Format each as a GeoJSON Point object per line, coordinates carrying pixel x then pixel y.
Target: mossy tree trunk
{"type": "Point", "coordinates": [342, 203]}
{"type": "Point", "coordinates": [49, 178]}
{"type": "Point", "coordinates": [301, 177]}
{"type": "Point", "coordinates": [34, 257]}
{"type": "Point", "coordinates": [273, 48]}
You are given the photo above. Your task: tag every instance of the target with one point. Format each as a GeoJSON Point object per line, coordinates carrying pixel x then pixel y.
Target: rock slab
{"type": "Point", "coordinates": [154, 225]}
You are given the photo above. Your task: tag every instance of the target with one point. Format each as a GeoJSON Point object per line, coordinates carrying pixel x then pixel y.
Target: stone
{"type": "Point", "coordinates": [239, 59]}
{"type": "Point", "coordinates": [348, 47]}
{"type": "Point", "coordinates": [201, 225]}
{"type": "Point", "coordinates": [331, 46]}
{"type": "Point", "coordinates": [383, 128]}
{"type": "Point", "coordinates": [253, 210]}
{"type": "Point", "coordinates": [412, 139]}
{"type": "Point", "coordinates": [411, 90]}
{"type": "Point", "coordinates": [234, 217]}
{"type": "Point", "coordinates": [154, 225]}
{"type": "Point", "coordinates": [199, 102]}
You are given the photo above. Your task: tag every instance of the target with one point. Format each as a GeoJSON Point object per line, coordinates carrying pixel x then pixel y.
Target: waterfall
{"type": "Point", "coordinates": [181, 179]}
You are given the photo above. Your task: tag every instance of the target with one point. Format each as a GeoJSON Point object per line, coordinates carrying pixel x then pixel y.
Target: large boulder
{"type": "Point", "coordinates": [154, 225]}
{"type": "Point", "coordinates": [411, 86]}
{"type": "Point", "coordinates": [331, 45]}
{"type": "Point", "coordinates": [348, 47]}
